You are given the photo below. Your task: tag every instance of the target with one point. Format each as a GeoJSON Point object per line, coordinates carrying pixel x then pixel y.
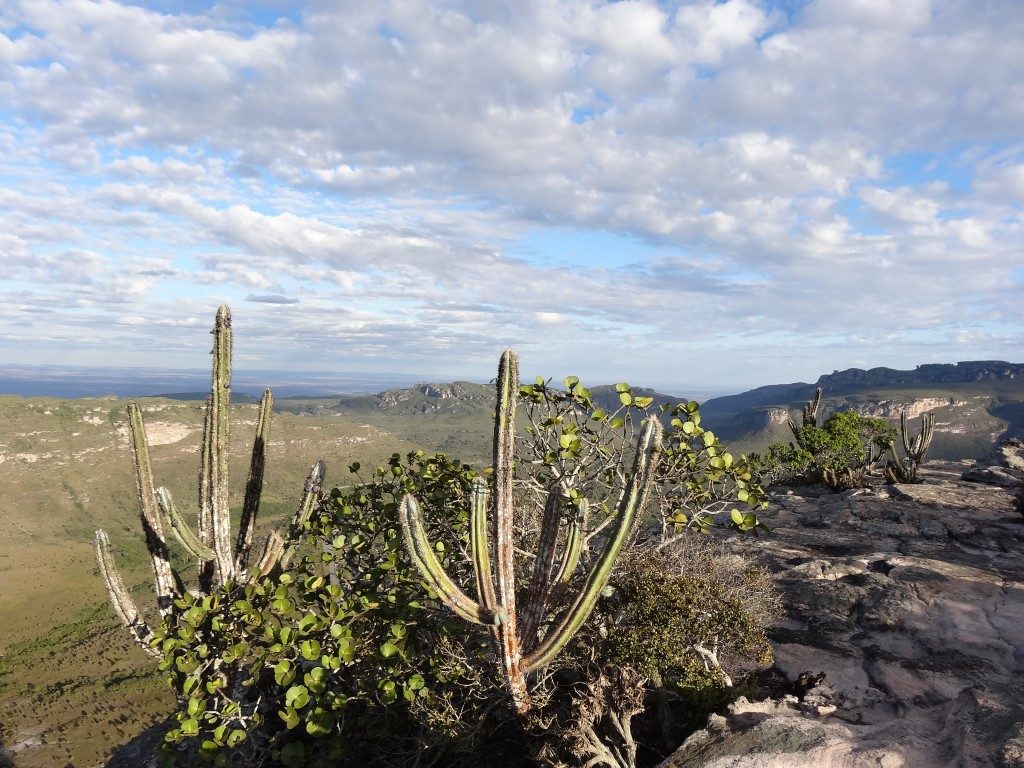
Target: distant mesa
{"type": "Point", "coordinates": [271, 298]}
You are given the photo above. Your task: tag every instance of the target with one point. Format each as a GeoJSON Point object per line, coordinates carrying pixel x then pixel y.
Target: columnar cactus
{"type": "Point", "coordinates": [905, 470]}
{"type": "Point", "coordinates": [211, 544]}
{"type": "Point", "coordinates": [522, 645]}
{"type": "Point", "coordinates": [810, 416]}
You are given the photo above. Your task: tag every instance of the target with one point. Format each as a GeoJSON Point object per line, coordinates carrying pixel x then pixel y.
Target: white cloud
{"type": "Point", "coordinates": [378, 162]}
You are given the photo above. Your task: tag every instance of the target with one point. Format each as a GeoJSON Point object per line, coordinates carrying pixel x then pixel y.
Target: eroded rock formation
{"type": "Point", "coordinates": [910, 599]}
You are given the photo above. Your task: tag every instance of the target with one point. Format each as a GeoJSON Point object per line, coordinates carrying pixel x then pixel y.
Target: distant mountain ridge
{"type": "Point", "coordinates": [928, 373]}
{"type": "Point", "coordinates": [976, 403]}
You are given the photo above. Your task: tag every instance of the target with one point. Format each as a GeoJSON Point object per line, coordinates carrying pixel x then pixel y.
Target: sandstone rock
{"type": "Point", "coordinates": [1011, 453]}
{"type": "Point", "coordinates": [1005, 478]}
{"type": "Point", "coordinates": [910, 599]}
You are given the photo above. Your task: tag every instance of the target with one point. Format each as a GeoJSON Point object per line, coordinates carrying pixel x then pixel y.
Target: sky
{"type": "Point", "coordinates": [678, 194]}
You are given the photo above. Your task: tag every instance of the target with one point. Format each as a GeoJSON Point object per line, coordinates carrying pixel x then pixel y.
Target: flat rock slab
{"type": "Point", "coordinates": [910, 599]}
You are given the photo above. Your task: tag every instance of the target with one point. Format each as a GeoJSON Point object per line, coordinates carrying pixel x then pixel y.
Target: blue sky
{"type": "Point", "coordinates": [688, 194]}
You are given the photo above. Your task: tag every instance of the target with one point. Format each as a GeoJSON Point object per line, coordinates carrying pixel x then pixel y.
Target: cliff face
{"type": "Point", "coordinates": [914, 407]}
{"type": "Point", "coordinates": [924, 375]}
{"type": "Point", "coordinates": [976, 404]}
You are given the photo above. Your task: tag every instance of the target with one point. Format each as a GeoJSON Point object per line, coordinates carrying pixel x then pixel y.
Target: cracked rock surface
{"type": "Point", "coordinates": [910, 599]}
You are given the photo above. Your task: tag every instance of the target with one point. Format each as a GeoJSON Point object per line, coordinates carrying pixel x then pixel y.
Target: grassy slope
{"type": "Point", "coordinates": [72, 687]}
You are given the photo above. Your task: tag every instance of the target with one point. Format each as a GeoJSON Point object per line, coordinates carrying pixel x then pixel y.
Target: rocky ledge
{"type": "Point", "coordinates": [910, 600]}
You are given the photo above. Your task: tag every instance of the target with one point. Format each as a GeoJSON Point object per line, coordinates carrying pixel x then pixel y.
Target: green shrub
{"type": "Point", "coordinates": [839, 453]}
{"type": "Point", "coordinates": [344, 651]}
{"type": "Point", "coordinates": [346, 658]}
{"type": "Point", "coordinates": [671, 642]}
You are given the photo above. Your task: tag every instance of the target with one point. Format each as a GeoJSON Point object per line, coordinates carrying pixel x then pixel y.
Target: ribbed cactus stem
{"type": "Point", "coordinates": [918, 447]}
{"type": "Point", "coordinates": [254, 485]}
{"type": "Point", "coordinates": [573, 543]}
{"type": "Point", "coordinates": [122, 602]}
{"type": "Point", "coordinates": [211, 544]}
{"type": "Point", "coordinates": [204, 515]}
{"type": "Point", "coordinates": [509, 646]}
{"type": "Point", "coordinates": [426, 561]}
{"type": "Point", "coordinates": [163, 574]}
{"type": "Point", "coordinates": [905, 470]}
{"type": "Point", "coordinates": [310, 498]}
{"type": "Point", "coordinates": [479, 498]}
{"type": "Point", "coordinates": [811, 409]}
{"type": "Point", "coordinates": [273, 548]}
{"type": "Point", "coordinates": [544, 567]}
{"type": "Point", "coordinates": [220, 404]}
{"type": "Point", "coordinates": [181, 531]}
{"type": "Point", "coordinates": [633, 498]}
{"type": "Point", "coordinates": [810, 414]}
{"type": "Point", "coordinates": [895, 472]}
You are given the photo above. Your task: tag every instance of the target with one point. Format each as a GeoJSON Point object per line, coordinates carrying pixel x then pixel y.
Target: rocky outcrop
{"type": "Point", "coordinates": [1009, 473]}
{"type": "Point", "coordinates": [928, 374]}
{"type": "Point", "coordinates": [911, 600]}
{"type": "Point", "coordinates": [891, 409]}
{"type": "Point", "coordinates": [1011, 454]}
{"type": "Point", "coordinates": [763, 419]}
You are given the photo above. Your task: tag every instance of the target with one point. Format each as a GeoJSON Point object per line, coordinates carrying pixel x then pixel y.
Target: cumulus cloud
{"type": "Point", "coordinates": [785, 174]}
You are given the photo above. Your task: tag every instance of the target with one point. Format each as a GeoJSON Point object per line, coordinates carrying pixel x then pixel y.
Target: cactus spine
{"type": "Point", "coordinates": [519, 645]}
{"type": "Point", "coordinates": [210, 545]}
{"type": "Point", "coordinates": [905, 470]}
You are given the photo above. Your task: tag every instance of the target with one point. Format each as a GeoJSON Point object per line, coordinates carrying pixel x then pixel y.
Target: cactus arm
{"type": "Point", "coordinates": [573, 543]}
{"type": "Point", "coordinates": [164, 580]}
{"type": "Point", "coordinates": [907, 445]}
{"type": "Point", "coordinates": [254, 486]}
{"type": "Point", "coordinates": [924, 440]}
{"type": "Point", "coordinates": [422, 554]}
{"type": "Point", "coordinates": [220, 405]}
{"type": "Point", "coordinates": [633, 499]}
{"type": "Point", "coordinates": [895, 472]}
{"type": "Point", "coordinates": [543, 568]}
{"type": "Point", "coordinates": [479, 546]}
{"type": "Point", "coordinates": [181, 531]}
{"type": "Point", "coordinates": [810, 415]}
{"type": "Point", "coordinates": [310, 498]}
{"type": "Point", "coordinates": [204, 515]}
{"type": "Point", "coordinates": [122, 602]}
{"type": "Point", "coordinates": [915, 449]}
{"type": "Point", "coordinates": [811, 409]}
{"type": "Point", "coordinates": [273, 548]}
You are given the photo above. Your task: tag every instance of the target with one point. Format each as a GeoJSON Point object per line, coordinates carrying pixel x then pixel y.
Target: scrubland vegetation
{"type": "Point", "coordinates": [553, 604]}
{"type": "Point", "coordinates": [843, 450]}
{"type": "Point", "coordinates": [600, 625]}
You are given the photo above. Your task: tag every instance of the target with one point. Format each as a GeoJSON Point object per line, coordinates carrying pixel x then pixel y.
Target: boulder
{"type": "Point", "coordinates": [1005, 478]}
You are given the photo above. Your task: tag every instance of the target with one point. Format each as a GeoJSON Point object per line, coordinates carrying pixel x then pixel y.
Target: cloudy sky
{"type": "Point", "coordinates": [681, 194]}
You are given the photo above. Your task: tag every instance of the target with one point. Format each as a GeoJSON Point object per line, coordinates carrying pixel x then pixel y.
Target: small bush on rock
{"type": "Point", "coordinates": [840, 452]}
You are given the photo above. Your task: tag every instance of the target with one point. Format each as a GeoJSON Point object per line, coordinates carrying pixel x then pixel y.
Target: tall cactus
{"type": "Point", "coordinates": [210, 545]}
{"type": "Point", "coordinates": [522, 646]}
{"type": "Point", "coordinates": [905, 470]}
